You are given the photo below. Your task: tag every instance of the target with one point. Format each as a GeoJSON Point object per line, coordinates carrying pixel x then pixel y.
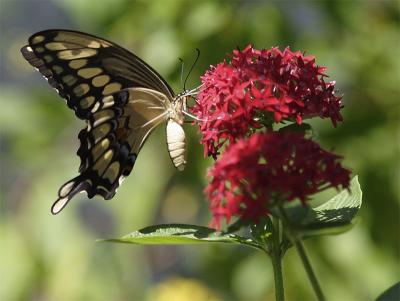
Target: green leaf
{"type": "Point", "coordinates": [333, 217]}
{"type": "Point", "coordinates": [391, 294]}
{"type": "Point", "coordinates": [177, 234]}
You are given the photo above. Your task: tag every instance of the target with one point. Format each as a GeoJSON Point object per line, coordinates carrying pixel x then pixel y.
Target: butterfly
{"type": "Point", "coordinates": [119, 96]}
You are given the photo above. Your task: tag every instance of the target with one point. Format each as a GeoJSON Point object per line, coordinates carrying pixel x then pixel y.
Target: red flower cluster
{"type": "Point", "coordinates": [256, 85]}
{"type": "Point", "coordinates": [257, 172]}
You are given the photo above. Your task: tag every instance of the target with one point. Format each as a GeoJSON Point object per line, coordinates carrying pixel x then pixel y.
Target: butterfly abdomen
{"type": "Point", "coordinates": [176, 143]}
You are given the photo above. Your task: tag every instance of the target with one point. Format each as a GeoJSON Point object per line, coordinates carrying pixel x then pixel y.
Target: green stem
{"type": "Point", "coordinates": [277, 267]}
{"type": "Point", "coordinates": [276, 258]}
{"type": "Point", "coordinates": [303, 256]}
{"type": "Point", "coordinates": [307, 265]}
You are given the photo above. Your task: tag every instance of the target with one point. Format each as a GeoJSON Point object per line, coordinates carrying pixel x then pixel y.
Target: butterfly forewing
{"type": "Point", "coordinates": [84, 68]}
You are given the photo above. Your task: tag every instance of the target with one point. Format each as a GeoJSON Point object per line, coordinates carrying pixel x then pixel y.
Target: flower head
{"type": "Point", "coordinates": [255, 173]}
{"type": "Point", "coordinates": [225, 107]}
{"type": "Point", "coordinates": [259, 85]}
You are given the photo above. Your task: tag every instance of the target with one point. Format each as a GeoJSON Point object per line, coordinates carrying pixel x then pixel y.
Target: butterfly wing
{"type": "Point", "coordinates": [121, 98]}
{"type": "Point", "coordinates": [110, 144]}
{"type": "Point", "coordinates": [84, 68]}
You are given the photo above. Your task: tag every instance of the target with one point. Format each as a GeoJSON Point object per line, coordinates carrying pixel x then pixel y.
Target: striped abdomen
{"type": "Point", "coordinates": [176, 144]}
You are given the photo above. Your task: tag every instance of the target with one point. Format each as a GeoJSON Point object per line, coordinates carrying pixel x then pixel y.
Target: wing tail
{"type": "Point", "coordinates": [67, 192]}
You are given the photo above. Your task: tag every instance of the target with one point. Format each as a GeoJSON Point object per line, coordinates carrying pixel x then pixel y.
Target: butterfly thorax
{"type": "Point", "coordinates": [177, 107]}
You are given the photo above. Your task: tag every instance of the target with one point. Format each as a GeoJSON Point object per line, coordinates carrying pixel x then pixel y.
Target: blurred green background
{"type": "Point", "coordinates": [45, 257]}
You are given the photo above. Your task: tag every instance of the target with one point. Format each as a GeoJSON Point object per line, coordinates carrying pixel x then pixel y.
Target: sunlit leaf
{"type": "Point", "coordinates": [178, 234]}
{"type": "Point", "coordinates": [333, 217]}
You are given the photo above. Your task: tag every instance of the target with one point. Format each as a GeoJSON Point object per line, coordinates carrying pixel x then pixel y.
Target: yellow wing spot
{"type": "Point", "coordinates": [81, 90]}
{"type": "Point", "coordinates": [102, 116]}
{"type": "Point", "coordinates": [61, 46]}
{"type": "Point", "coordinates": [95, 107]}
{"type": "Point", "coordinates": [76, 54]}
{"type": "Point", "coordinates": [100, 80]}
{"type": "Point", "coordinates": [112, 171]}
{"type": "Point", "coordinates": [48, 58]}
{"type": "Point", "coordinates": [80, 39]}
{"type": "Point", "coordinates": [89, 72]}
{"type": "Point", "coordinates": [93, 44]}
{"type": "Point", "coordinates": [108, 101]}
{"type": "Point", "coordinates": [69, 79]}
{"type": "Point", "coordinates": [111, 88]}
{"type": "Point", "coordinates": [87, 102]}
{"type": "Point", "coordinates": [101, 131]}
{"type": "Point", "coordinates": [103, 162]}
{"type": "Point", "coordinates": [108, 154]}
{"type": "Point", "coordinates": [39, 49]}
{"type": "Point", "coordinates": [100, 148]}
{"type": "Point", "coordinates": [37, 39]}
{"type": "Point", "coordinates": [76, 64]}
{"type": "Point", "coordinates": [55, 46]}
{"type": "Point", "coordinates": [57, 69]}
{"type": "Point", "coordinates": [105, 143]}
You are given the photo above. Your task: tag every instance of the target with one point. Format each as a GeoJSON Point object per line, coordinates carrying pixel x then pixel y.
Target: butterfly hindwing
{"type": "Point", "coordinates": [112, 140]}
{"type": "Point", "coordinates": [84, 68]}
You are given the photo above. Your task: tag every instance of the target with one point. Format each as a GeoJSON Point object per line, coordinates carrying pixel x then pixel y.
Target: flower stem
{"type": "Point", "coordinates": [303, 256]}
{"type": "Point", "coordinates": [276, 258]}
{"type": "Point", "coordinates": [277, 267]}
{"type": "Point", "coordinates": [307, 266]}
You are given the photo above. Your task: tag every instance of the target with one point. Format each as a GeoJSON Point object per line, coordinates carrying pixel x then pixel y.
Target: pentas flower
{"type": "Point", "coordinates": [258, 172]}
{"type": "Point", "coordinates": [224, 106]}
{"type": "Point", "coordinates": [256, 85]}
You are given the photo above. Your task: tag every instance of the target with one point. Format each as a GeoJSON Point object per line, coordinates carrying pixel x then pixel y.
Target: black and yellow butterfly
{"type": "Point", "coordinates": [121, 98]}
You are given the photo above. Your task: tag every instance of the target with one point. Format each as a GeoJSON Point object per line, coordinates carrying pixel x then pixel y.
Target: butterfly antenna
{"type": "Point", "coordinates": [182, 68]}
{"type": "Point", "coordinates": [191, 68]}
